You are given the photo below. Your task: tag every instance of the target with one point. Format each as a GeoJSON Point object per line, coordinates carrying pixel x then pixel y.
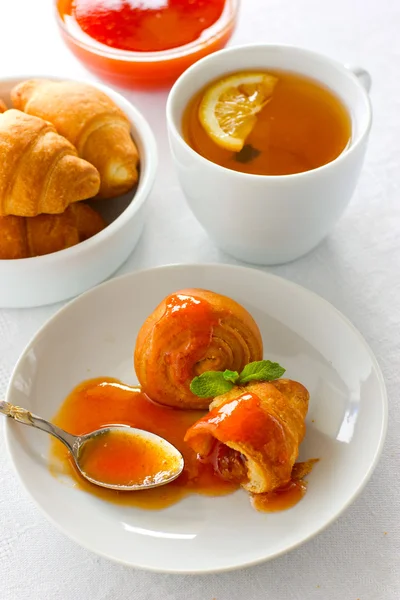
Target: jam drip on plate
{"type": "Point", "coordinates": [100, 402]}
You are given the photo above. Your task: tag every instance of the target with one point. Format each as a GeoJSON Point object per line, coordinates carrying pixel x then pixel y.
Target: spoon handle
{"type": "Point", "coordinates": [27, 418]}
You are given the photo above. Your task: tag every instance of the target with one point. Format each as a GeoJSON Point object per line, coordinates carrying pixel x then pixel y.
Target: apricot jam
{"type": "Point", "coordinates": [100, 402]}
{"type": "Point", "coordinates": [122, 458]}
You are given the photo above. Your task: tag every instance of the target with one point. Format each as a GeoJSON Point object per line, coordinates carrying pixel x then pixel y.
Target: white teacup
{"type": "Point", "coordinates": [270, 219]}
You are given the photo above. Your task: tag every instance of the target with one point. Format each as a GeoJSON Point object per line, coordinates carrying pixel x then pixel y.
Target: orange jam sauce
{"type": "Point", "coordinates": [120, 458]}
{"type": "Point", "coordinates": [100, 402]}
{"type": "Point", "coordinates": [280, 499]}
{"type": "Point", "coordinates": [185, 313]}
{"type": "Point", "coordinates": [242, 420]}
{"type": "Point", "coordinates": [185, 316]}
{"type": "Point", "coordinates": [289, 494]}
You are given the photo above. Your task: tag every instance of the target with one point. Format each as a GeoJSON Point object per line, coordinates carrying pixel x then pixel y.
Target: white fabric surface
{"type": "Point", "coordinates": [357, 269]}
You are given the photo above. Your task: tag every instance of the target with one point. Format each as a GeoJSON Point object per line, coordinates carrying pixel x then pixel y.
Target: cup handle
{"type": "Point", "coordinates": [362, 75]}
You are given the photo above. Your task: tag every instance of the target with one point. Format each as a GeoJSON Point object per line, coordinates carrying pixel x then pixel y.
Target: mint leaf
{"type": "Point", "coordinates": [232, 376]}
{"type": "Point", "coordinates": [210, 384]}
{"type": "Point", "coordinates": [261, 370]}
{"type": "Point", "coordinates": [215, 383]}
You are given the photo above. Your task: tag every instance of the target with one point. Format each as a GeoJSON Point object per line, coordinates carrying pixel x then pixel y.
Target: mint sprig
{"type": "Point", "coordinates": [214, 383]}
{"type": "Point", "coordinates": [210, 384]}
{"type": "Point", "coordinates": [231, 376]}
{"type": "Point", "coordinates": [261, 370]}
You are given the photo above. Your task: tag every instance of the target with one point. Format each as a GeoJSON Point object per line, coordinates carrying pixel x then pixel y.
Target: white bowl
{"type": "Point", "coordinates": [346, 422]}
{"type": "Point", "coordinates": [46, 279]}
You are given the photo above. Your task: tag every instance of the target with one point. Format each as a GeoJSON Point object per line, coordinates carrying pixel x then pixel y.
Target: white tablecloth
{"type": "Point", "coordinates": [357, 269]}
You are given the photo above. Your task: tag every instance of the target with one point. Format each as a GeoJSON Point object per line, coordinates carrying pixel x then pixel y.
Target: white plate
{"type": "Point", "coordinates": [94, 335]}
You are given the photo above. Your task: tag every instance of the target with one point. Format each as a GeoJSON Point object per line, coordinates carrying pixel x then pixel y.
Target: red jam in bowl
{"type": "Point", "coordinates": [144, 42]}
{"type": "Point", "coordinates": [146, 25]}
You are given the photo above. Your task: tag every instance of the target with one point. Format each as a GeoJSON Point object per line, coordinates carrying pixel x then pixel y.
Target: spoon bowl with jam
{"type": "Point", "coordinates": [117, 457]}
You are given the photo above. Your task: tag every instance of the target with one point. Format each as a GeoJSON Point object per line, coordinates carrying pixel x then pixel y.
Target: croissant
{"type": "Point", "coordinates": [190, 332]}
{"type": "Point", "coordinates": [3, 106]}
{"type": "Point", "coordinates": [92, 122]}
{"type": "Point", "coordinates": [40, 170]}
{"type": "Point", "coordinates": [22, 237]}
{"type": "Point", "coordinates": [252, 433]}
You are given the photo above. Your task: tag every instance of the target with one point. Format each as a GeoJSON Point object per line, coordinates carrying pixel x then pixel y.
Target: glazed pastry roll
{"type": "Point", "coordinates": [190, 332]}
{"type": "Point", "coordinates": [252, 433]}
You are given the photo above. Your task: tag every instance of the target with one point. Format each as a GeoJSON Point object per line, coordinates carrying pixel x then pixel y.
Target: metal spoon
{"type": "Point", "coordinates": [75, 445]}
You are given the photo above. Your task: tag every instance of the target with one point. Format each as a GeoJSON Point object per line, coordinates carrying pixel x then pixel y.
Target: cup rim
{"type": "Point", "coordinates": [175, 90]}
{"type": "Point", "coordinates": [225, 22]}
{"type": "Point", "coordinates": [140, 194]}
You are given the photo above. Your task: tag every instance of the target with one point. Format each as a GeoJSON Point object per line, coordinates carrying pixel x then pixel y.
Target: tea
{"type": "Point", "coordinates": [302, 125]}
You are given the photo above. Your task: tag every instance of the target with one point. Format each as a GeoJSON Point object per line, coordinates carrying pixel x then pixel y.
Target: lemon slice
{"type": "Point", "coordinates": [229, 108]}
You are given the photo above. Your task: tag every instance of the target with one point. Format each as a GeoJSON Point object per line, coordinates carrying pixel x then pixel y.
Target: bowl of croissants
{"type": "Point", "coordinates": [77, 164]}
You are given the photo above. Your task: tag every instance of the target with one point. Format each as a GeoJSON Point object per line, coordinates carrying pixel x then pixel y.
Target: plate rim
{"type": "Point", "coordinates": [250, 563]}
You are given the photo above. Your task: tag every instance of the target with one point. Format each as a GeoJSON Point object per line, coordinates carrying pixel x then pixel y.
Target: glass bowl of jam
{"type": "Point", "coordinates": [144, 43]}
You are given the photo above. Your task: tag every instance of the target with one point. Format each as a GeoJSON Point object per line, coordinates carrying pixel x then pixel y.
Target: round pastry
{"type": "Point", "coordinates": [190, 332]}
